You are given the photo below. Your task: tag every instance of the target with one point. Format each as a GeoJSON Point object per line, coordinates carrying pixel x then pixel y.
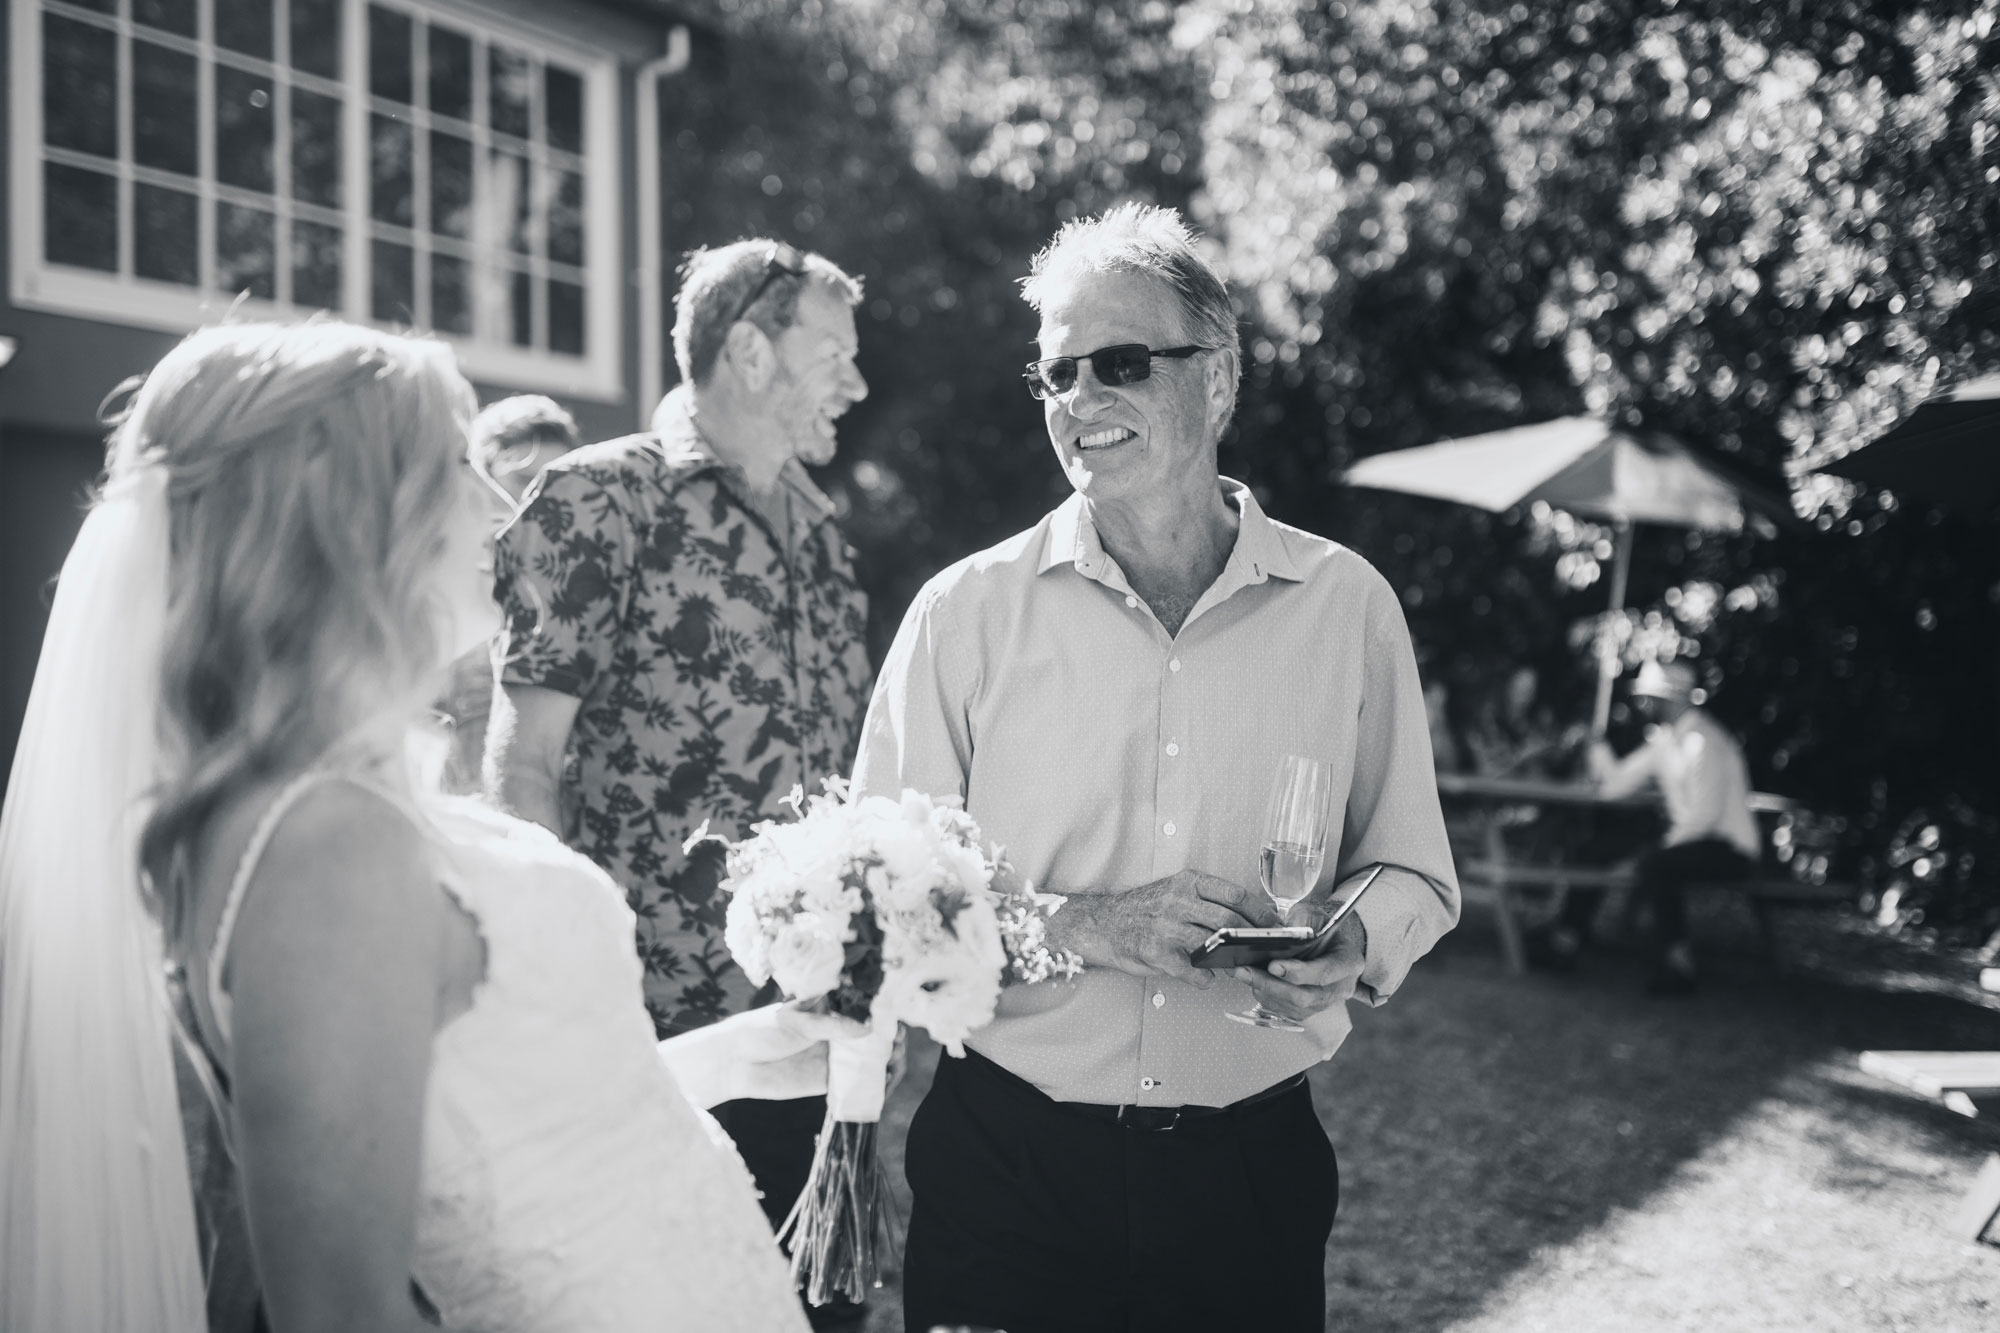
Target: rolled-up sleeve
{"type": "Point", "coordinates": [916, 733]}
{"type": "Point", "coordinates": [560, 578]}
{"type": "Point", "coordinates": [1392, 810]}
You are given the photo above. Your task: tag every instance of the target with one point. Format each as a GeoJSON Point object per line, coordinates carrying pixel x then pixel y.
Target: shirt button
{"type": "Point", "coordinates": [1173, 748]}
{"type": "Point", "coordinates": [1131, 601]}
{"type": "Point", "coordinates": [1174, 665]}
{"type": "Point", "coordinates": [1148, 1084]}
{"type": "Point", "coordinates": [1158, 999]}
{"type": "Point", "coordinates": [1169, 829]}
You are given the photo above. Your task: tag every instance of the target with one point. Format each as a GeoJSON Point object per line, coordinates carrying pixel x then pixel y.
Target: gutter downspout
{"type": "Point", "coordinates": [651, 310]}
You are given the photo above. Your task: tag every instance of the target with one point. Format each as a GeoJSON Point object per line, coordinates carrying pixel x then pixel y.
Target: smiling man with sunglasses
{"type": "Point", "coordinates": [1111, 692]}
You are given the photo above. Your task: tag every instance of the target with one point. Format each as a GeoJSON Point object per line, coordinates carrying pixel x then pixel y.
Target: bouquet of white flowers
{"type": "Point", "coordinates": [887, 912]}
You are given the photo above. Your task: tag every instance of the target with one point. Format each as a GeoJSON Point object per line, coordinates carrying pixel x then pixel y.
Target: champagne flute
{"type": "Point", "coordinates": [1295, 824]}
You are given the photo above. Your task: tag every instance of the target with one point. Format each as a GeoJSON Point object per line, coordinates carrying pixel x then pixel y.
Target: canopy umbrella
{"type": "Point", "coordinates": [1947, 451]}
{"type": "Point", "coordinates": [1578, 464]}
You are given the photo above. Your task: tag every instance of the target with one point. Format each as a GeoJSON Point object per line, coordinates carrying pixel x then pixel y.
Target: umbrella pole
{"type": "Point", "coordinates": [1607, 661]}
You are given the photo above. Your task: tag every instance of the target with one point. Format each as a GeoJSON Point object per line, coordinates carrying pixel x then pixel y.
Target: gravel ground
{"type": "Point", "coordinates": [1564, 1154]}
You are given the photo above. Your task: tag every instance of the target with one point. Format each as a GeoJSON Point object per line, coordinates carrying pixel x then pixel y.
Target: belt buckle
{"type": "Point", "coordinates": [1151, 1119]}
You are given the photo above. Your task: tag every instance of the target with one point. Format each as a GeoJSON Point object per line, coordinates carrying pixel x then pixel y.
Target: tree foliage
{"type": "Point", "coordinates": [1767, 229]}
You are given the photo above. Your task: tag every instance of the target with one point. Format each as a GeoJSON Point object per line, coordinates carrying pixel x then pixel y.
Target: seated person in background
{"type": "Point", "coordinates": [1711, 836]}
{"type": "Point", "coordinates": [1515, 735]}
{"type": "Point", "coordinates": [512, 440]}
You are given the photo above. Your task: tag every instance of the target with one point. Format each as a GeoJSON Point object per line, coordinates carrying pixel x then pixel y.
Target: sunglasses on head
{"type": "Point", "coordinates": [781, 261]}
{"type": "Point", "coordinates": [1126, 363]}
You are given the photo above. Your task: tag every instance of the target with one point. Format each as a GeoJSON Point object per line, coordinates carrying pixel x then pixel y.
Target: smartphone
{"type": "Point", "coordinates": [1236, 946]}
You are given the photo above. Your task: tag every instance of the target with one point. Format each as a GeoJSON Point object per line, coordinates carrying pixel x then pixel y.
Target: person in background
{"type": "Point", "coordinates": [1711, 836]}
{"type": "Point", "coordinates": [1516, 734]}
{"type": "Point", "coordinates": [511, 441]}
{"type": "Point", "coordinates": [686, 640]}
{"type": "Point", "coordinates": [515, 438]}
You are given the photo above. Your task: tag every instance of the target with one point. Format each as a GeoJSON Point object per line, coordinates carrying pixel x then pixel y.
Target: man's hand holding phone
{"type": "Point", "coordinates": [1300, 981]}
{"type": "Point", "coordinates": [1232, 947]}
{"type": "Point", "coordinates": [1301, 987]}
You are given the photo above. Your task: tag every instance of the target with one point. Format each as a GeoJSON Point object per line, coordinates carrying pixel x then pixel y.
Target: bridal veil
{"type": "Point", "coordinates": [97, 1226]}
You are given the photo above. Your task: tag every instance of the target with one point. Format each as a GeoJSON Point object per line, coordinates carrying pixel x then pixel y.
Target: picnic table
{"type": "Point", "coordinates": [1959, 1080]}
{"type": "Point", "coordinates": [1493, 877]}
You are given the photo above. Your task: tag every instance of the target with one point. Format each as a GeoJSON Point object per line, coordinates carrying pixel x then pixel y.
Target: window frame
{"type": "Point", "coordinates": [124, 298]}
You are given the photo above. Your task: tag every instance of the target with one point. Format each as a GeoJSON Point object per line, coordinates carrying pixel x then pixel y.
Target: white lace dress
{"type": "Point", "coordinates": [568, 1185]}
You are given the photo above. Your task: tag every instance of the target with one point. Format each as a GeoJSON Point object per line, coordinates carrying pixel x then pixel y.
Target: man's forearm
{"type": "Point", "coordinates": [1627, 776]}
{"type": "Point", "coordinates": [1078, 926]}
{"type": "Point", "coordinates": [513, 778]}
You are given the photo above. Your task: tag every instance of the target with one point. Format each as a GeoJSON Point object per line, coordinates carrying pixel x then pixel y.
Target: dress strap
{"type": "Point", "coordinates": [246, 869]}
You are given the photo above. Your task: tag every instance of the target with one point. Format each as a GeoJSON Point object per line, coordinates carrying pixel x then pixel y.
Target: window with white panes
{"type": "Point", "coordinates": [401, 163]}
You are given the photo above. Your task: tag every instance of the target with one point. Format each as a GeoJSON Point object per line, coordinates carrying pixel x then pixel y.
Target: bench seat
{"type": "Point", "coordinates": [1951, 1077]}
{"type": "Point", "coordinates": [1485, 882]}
{"type": "Point", "coordinates": [1954, 1078]}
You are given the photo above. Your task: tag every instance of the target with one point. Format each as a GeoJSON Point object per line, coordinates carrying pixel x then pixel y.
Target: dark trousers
{"type": "Point", "coordinates": [1667, 871]}
{"type": "Point", "coordinates": [1664, 874]}
{"type": "Point", "coordinates": [776, 1140]}
{"type": "Point", "coordinates": [1032, 1218]}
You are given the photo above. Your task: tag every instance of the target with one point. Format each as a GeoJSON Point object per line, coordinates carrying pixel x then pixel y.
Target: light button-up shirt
{"type": "Point", "coordinates": [1103, 753]}
{"type": "Point", "coordinates": [1703, 780]}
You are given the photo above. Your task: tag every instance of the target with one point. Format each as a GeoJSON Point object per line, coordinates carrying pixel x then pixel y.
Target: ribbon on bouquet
{"type": "Point", "coordinates": [857, 1075]}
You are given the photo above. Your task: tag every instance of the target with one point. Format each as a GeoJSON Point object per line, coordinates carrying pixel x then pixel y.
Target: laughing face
{"type": "Point", "coordinates": [1118, 442]}
{"type": "Point", "coordinates": [817, 380]}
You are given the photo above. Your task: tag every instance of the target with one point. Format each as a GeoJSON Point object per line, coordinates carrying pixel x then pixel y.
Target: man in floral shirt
{"type": "Point", "coordinates": [685, 638]}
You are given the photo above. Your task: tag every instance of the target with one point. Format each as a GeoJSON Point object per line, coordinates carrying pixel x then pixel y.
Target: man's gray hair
{"type": "Point", "coordinates": [715, 284]}
{"type": "Point", "coordinates": [1140, 238]}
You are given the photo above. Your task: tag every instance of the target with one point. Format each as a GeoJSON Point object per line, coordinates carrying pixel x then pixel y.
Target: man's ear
{"type": "Point", "coordinates": [1219, 386]}
{"type": "Point", "coordinates": [750, 355]}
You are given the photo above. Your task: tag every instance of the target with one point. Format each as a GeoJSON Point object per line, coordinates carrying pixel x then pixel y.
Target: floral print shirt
{"type": "Point", "coordinates": [713, 671]}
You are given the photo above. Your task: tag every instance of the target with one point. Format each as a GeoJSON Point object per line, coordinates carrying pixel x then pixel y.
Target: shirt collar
{"type": "Point", "coordinates": [684, 445]}
{"type": "Point", "coordinates": [1259, 541]}
{"type": "Point", "coordinates": [680, 439]}
{"type": "Point", "coordinates": [1261, 551]}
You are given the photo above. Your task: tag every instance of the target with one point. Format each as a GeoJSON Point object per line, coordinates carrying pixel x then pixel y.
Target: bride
{"type": "Point", "coordinates": [420, 1020]}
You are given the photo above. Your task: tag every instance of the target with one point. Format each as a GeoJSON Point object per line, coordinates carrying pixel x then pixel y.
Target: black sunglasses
{"type": "Point", "coordinates": [1126, 363]}
{"type": "Point", "coordinates": [781, 262]}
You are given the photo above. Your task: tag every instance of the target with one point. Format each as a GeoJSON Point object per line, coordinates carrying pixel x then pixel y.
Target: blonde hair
{"type": "Point", "coordinates": [311, 488]}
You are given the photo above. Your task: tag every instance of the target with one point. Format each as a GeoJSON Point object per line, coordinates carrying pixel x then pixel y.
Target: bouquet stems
{"type": "Point", "coordinates": [843, 1216]}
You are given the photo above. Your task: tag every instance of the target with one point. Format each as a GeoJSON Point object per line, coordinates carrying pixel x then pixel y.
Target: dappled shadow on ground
{"type": "Point", "coordinates": [1485, 1122]}
{"type": "Point", "coordinates": [1523, 1152]}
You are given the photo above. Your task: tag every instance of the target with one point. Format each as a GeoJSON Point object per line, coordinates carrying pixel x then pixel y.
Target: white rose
{"type": "Point", "coordinates": [748, 944]}
{"type": "Point", "coordinates": [978, 929]}
{"type": "Point", "coordinates": [917, 807]}
{"type": "Point", "coordinates": [966, 866]}
{"type": "Point", "coordinates": [829, 896]}
{"type": "Point", "coordinates": [807, 957]}
{"type": "Point", "coordinates": [905, 852]}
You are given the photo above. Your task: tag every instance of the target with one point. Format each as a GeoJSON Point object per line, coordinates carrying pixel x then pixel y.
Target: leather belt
{"type": "Point", "coordinates": [1145, 1119]}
